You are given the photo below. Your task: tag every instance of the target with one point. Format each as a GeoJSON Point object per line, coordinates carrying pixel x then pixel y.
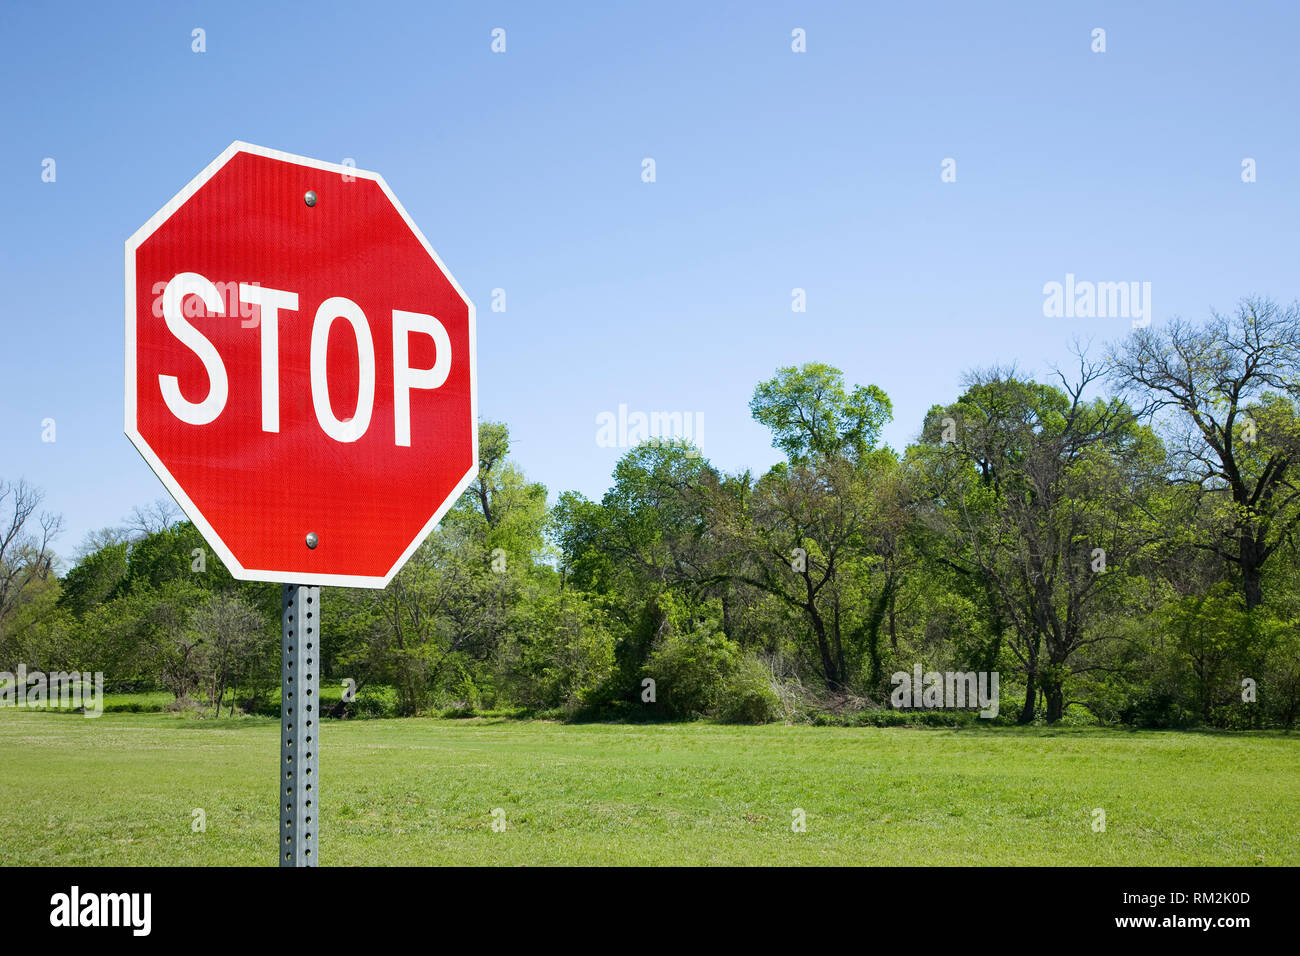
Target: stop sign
{"type": "Point", "coordinates": [299, 368]}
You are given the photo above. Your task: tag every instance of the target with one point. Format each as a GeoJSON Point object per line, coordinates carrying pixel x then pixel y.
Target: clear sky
{"type": "Point", "coordinates": [775, 170]}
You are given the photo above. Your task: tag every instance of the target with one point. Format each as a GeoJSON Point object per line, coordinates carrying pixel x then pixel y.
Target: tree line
{"type": "Point", "coordinates": [1117, 541]}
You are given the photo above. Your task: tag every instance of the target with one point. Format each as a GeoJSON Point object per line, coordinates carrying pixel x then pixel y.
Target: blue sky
{"type": "Point", "coordinates": [774, 170]}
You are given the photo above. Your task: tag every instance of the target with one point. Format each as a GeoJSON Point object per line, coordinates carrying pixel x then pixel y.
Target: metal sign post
{"type": "Point", "coordinates": [299, 724]}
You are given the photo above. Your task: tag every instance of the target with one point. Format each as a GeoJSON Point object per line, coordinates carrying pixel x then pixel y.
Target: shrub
{"type": "Point", "coordinates": [560, 655]}
{"type": "Point", "coordinates": [376, 702]}
{"type": "Point", "coordinates": [748, 695]}
{"type": "Point", "coordinates": [690, 669]}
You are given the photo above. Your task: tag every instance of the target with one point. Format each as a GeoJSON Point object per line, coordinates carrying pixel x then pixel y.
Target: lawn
{"type": "Point", "coordinates": [121, 789]}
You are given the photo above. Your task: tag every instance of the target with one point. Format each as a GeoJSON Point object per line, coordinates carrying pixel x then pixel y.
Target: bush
{"type": "Point", "coordinates": [373, 702]}
{"type": "Point", "coordinates": [748, 695]}
{"type": "Point", "coordinates": [559, 656]}
{"type": "Point", "coordinates": [690, 670]}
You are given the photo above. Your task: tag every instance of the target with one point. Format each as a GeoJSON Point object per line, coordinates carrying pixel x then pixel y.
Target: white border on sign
{"type": "Point", "coordinates": [159, 469]}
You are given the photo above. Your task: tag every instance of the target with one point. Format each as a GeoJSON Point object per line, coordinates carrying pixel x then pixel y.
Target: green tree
{"type": "Point", "coordinates": [95, 579]}
{"type": "Point", "coordinates": [811, 531]}
{"type": "Point", "coordinates": [1041, 494]}
{"type": "Point", "coordinates": [811, 414]}
{"type": "Point", "coordinates": [441, 623]}
{"type": "Point", "coordinates": [234, 635]}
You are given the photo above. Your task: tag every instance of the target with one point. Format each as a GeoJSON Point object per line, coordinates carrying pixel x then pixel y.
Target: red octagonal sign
{"type": "Point", "coordinates": [299, 368]}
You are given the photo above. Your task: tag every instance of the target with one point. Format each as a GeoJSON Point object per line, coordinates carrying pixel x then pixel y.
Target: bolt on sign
{"type": "Point", "coordinates": [300, 375]}
{"type": "Point", "coordinates": [299, 368]}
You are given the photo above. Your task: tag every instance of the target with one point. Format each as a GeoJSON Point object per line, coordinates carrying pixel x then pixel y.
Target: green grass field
{"type": "Point", "coordinates": [121, 789]}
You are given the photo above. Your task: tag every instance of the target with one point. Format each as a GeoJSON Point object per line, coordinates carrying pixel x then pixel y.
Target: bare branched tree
{"type": "Point", "coordinates": [150, 519]}
{"type": "Point", "coordinates": [98, 540]}
{"type": "Point", "coordinates": [1233, 386]}
{"type": "Point", "coordinates": [25, 537]}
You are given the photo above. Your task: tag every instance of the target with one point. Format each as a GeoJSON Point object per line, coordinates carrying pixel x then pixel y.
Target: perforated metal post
{"type": "Point", "coordinates": [299, 723]}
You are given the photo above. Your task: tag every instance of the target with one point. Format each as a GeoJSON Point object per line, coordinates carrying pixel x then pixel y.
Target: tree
{"type": "Point", "coordinates": [1234, 384]}
{"type": "Point", "coordinates": [559, 653]}
{"type": "Point", "coordinates": [99, 539]}
{"type": "Point", "coordinates": [811, 415]}
{"type": "Point", "coordinates": [441, 622]}
{"type": "Point", "coordinates": [795, 538]}
{"type": "Point", "coordinates": [656, 515]}
{"type": "Point", "coordinates": [234, 633]}
{"type": "Point", "coordinates": [649, 536]}
{"type": "Point", "coordinates": [174, 651]}
{"type": "Point", "coordinates": [152, 518]}
{"type": "Point", "coordinates": [493, 447]}
{"type": "Point", "coordinates": [96, 578]}
{"type": "Point", "coordinates": [1040, 492]}
{"type": "Point", "coordinates": [807, 534]}
{"type": "Point", "coordinates": [26, 559]}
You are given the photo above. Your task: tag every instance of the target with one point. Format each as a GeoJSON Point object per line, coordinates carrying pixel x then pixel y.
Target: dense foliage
{"type": "Point", "coordinates": [1118, 543]}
